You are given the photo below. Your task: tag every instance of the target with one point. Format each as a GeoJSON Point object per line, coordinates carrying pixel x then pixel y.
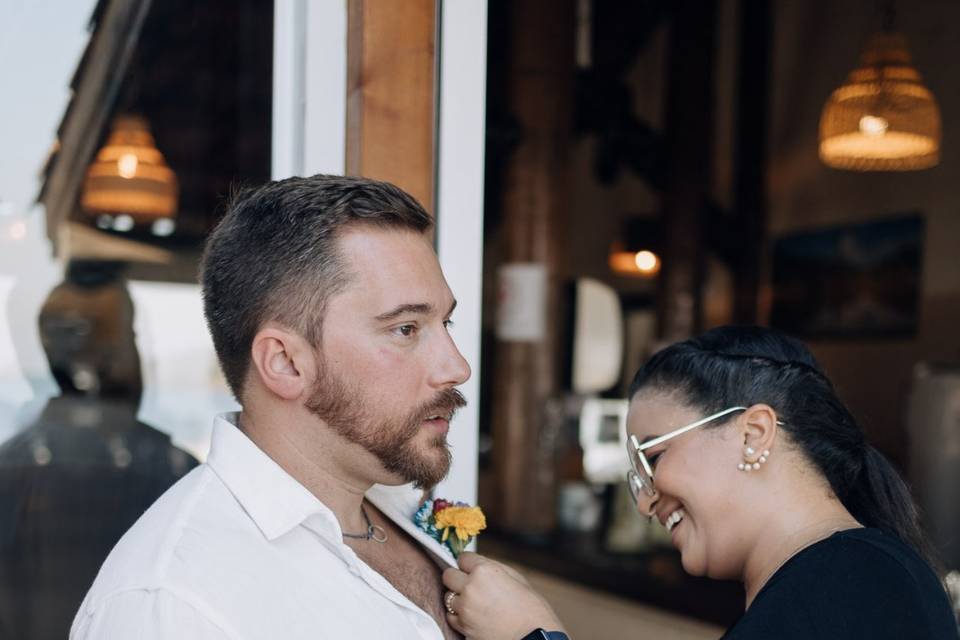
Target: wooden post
{"type": "Point", "coordinates": [750, 177]}
{"type": "Point", "coordinates": [526, 374]}
{"type": "Point", "coordinates": [689, 136]}
{"type": "Point", "coordinates": [391, 94]}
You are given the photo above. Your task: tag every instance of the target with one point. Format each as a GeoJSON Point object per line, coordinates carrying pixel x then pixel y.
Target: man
{"type": "Point", "coordinates": [329, 314]}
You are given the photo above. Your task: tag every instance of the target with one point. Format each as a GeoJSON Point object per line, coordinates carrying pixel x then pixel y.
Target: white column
{"type": "Point", "coordinates": [325, 119]}
{"type": "Point", "coordinates": [309, 87]}
{"type": "Point", "coordinates": [459, 198]}
{"type": "Point", "coordinates": [289, 35]}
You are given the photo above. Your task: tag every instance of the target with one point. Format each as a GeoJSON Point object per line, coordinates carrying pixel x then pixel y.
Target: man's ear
{"type": "Point", "coordinates": [284, 361]}
{"type": "Point", "coordinates": [759, 429]}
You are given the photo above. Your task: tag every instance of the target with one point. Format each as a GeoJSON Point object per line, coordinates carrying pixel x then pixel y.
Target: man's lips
{"type": "Point", "coordinates": [440, 423]}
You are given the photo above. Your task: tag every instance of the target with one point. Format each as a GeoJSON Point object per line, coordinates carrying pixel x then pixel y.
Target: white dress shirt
{"type": "Point", "coordinates": [239, 549]}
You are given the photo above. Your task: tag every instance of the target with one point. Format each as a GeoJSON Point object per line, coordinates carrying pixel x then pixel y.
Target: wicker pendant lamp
{"type": "Point", "coordinates": [883, 118]}
{"type": "Point", "coordinates": [130, 176]}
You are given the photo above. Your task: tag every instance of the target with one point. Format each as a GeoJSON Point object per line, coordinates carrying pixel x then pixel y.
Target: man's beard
{"type": "Point", "coordinates": [391, 440]}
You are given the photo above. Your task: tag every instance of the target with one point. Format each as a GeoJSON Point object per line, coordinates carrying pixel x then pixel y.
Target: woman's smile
{"type": "Point", "coordinates": [674, 519]}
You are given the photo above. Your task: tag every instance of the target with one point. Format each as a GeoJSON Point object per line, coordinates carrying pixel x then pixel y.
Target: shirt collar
{"type": "Point", "coordinates": [277, 503]}
{"type": "Point", "coordinates": [273, 499]}
{"type": "Point", "coordinates": [400, 504]}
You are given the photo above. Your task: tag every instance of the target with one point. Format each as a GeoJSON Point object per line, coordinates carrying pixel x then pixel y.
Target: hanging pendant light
{"type": "Point", "coordinates": [129, 176]}
{"type": "Point", "coordinates": [882, 118]}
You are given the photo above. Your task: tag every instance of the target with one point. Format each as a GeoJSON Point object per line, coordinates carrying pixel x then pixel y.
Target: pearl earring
{"type": "Point", "coordinates": [748, 452]}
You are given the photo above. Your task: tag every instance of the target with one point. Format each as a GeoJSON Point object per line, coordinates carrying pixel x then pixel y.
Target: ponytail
{"type": "Point", "coordinates": [880, 498]}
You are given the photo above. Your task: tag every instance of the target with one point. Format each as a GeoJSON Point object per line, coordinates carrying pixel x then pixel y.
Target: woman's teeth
{"type": "Point", "coordinates": [674, 519]}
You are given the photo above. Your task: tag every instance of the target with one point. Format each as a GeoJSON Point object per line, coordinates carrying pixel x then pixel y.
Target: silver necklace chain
{"type": "Point", "coordinates": [374, 531]}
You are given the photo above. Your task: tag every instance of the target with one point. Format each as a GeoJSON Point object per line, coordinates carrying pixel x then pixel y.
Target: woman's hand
{"type": "Point", "coordinates": [494, 602]}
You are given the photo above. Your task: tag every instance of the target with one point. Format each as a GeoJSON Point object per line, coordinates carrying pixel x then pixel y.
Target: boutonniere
{"type": "Point", "coordinates": [454, 524]}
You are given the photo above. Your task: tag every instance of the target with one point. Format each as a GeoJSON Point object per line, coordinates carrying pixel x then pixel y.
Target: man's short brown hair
{"type": "Point", "coordinates": [274, 256]}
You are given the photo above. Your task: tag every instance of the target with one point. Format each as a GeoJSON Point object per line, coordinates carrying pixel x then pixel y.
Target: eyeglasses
{"type": "Point", "coordinates": [640, 478]}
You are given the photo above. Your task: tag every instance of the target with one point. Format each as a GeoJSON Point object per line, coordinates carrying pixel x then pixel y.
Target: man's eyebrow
{"type": "Point", "coordinates": [420, 308]}
{"type": "Point", "coordinates": [648, 439]}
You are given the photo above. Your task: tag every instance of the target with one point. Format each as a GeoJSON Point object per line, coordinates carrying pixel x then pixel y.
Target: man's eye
{"type": "Point", "coordinates": [448, 323]}
{"type": "Point", "coordinates": [406, 330]}
{"type": "Point", "coordinates": [652, 459]}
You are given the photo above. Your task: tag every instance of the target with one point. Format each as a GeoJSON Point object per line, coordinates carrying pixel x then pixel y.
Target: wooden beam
{"type": "Point", "coordinates": [391, 97]}
{"type": "Point", "coordinates": [689, 144]}
{"type": "Point", "coordinates": [750, 164]}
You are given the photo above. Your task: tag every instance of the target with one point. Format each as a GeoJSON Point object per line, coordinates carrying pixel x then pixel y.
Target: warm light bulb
{"type": "Point", "coordinates": [127, 165]}
{"type": "Point", "coordinates": [646, 261]}
{"type": "Point", "coordinates": [873, 126]}
{"type": "Point", "coordinates": [163, 227]}
{"type": "Point", "coordinates": [123, 223]}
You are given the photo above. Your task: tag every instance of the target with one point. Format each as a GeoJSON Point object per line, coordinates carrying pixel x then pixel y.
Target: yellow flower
{"type": "Point", "coordinates": [466, 521]}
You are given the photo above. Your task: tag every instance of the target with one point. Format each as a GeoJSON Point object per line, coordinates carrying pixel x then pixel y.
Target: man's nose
{"type": "Point", "coordinates": [453, 369]}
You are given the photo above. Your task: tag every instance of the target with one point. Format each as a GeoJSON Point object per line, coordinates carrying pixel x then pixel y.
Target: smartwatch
{"type": "Point", "coordinates": [540, 634]}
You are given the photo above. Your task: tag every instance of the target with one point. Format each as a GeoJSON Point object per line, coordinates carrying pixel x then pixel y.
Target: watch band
{"type": "Point", "coordinates": [540, 634]}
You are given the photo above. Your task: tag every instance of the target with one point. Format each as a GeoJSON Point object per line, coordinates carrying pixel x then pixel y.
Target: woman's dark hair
{"type": "Point", "coordinates": [742, 366]}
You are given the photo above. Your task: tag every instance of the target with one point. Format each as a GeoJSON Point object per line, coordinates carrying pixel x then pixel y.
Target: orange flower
{"type": "Point", "coordinates": [465, 521]}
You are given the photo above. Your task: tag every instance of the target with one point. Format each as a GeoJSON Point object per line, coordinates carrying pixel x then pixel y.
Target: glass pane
{"type": "Point", "coordinates": [126, 126]}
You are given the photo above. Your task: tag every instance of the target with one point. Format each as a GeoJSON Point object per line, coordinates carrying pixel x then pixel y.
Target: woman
{"type": "Point", "coordinates": [741, 448]}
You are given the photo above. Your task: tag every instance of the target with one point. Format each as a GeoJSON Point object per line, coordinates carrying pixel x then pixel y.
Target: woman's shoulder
{"type": "Point", "coordinates": [867, 558]}
{"type": "Point", "coordinates": [856, 583]}
{"type": "Point", "coordinates": [862, 565]}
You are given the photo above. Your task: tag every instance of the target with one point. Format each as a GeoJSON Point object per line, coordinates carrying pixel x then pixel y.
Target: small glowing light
{"type": "Point", "coordinates": [18, 230]}
{"type": "Point", "coordinates": [127, 165]}
{"type": "Point", "coordinates": [163, 227]}
{"type": "Point", "coordinates": [104, 221]}
{"type": "Point", "coordinates": [123, 223]}
{"type": "Point", "coordinates": [873, 126]}
{"type": "Point", "coordinates": [643, 264]}
{"type": "Point", "coordinates": [646, 261]}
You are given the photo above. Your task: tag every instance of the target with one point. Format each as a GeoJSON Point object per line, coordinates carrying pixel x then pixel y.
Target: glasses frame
{"type": "Point", "coordinates": [635, 475]}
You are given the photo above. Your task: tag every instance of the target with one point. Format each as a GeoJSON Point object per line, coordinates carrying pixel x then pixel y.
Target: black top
{"type": "Point", "coordinates": [859, 583]}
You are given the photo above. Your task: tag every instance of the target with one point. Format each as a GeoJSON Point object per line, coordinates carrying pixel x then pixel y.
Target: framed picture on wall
{"type": "Point", "coordinates": [850, 281]}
